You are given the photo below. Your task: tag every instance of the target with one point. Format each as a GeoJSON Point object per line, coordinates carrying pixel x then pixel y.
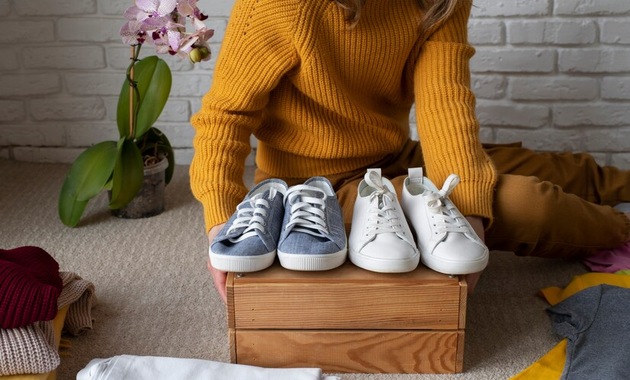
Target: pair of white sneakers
{"type": "Point", "coordinates": [381, 240]}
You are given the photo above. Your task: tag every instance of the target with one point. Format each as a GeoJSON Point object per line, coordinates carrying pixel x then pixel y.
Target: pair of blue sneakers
{"type": "Point", "coordinates": [301, 224]}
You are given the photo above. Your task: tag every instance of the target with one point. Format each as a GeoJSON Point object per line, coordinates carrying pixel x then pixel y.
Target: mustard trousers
{"type": "Point", "coordinates": [546, 204]}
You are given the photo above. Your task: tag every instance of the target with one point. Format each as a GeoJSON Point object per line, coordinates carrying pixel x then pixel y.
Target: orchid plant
{"type": "Point", "coordinates": [118, 166]}
{"type": "Point", "coordinates": [162, 23]}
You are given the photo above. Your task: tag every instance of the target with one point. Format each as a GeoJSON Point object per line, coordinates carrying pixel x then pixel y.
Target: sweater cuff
{"type": "Point", "coordinates": [218, 209]}
{"type": "Point", "coordinates": [475, 199]}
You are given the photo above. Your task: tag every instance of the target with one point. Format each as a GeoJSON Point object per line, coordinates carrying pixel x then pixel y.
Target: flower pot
{"type": "Point", "coordinates": [150, 198]}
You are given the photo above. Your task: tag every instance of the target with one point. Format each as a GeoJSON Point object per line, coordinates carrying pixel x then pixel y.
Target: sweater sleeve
{"type": "Point", "coordinates": [256, 52]}
{"type": "Point", "coordinates": [445, 112]}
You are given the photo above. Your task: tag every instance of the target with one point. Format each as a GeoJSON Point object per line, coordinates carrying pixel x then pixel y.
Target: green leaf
{"type": "Point", "coordinates": [155, 97]}
{"type": "Point", "coordinates": [170, 156]}
{"type": "Point", "coordinates": [71, 210]}
{"type": "Point", "coordinates": [87, 177]}
{"type": "Point", "coordinates": [153, 78]}
{"type": "Point", "coordinates": [128, 174]}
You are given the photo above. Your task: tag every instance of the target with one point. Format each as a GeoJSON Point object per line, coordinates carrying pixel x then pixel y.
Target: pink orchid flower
{"type": "Point", "coordinates": [162, 23]}
{"type": "Point", "coordinates": [156, 8]}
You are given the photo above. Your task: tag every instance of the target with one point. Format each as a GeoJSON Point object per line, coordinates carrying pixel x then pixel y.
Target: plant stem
{"type": "Point", "coordinates": [134, 93]}
{"type": "Point", "coordinates": [130, 78]}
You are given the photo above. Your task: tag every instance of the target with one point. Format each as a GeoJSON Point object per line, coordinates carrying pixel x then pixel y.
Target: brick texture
{"type": "Point", "coordinates": [554, 74]}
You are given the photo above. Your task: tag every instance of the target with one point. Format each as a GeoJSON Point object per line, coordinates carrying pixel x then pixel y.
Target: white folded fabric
{"type": "Point", "coordinates": [129, 367]}
{"type": "Point", "coordinates": [623, 207]}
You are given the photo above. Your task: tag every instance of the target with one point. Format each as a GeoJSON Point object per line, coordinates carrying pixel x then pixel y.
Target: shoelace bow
{"type": "Point", "coordinates": [251, 215]}
{"type": "Point", "coordinates": [382, 216]}
{"type": "Point", "coordinates": [444, 215]}
{"type": "Point", "coordinates": [307, 207]}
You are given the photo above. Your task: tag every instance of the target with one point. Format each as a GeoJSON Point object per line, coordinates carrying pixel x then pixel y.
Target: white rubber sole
{"type": "Point", "coordinates": [242, 264]}
{"type": "Point", "coordinates": [298, 262]}
{"type": "Point", "coordinates": [455, 267]}
{"type": "Point", "coordinates": [383, 265]}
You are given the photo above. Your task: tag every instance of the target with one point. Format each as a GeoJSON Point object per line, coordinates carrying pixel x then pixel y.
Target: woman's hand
{"type": "Point", "coordinates": [477, 225]}
{"type": "Point", "coordinates": [218, 276]}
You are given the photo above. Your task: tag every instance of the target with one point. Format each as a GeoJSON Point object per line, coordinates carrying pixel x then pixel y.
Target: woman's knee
{"type": "Point", "coordinates": [525, 205]}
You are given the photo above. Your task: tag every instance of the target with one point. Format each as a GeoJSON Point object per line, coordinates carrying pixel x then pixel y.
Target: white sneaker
{"type": "Point", "coordinates": [447, 242]}
{"type": "Point", "coordinates": [380, 239]}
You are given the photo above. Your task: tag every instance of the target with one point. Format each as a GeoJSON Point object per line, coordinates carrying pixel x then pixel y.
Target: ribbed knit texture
{"type": "Point", "coordinates": [28, 349]}
{"type": "Point", "coordinates": [79, 295]}
{"type": "Point", "coordinates": [325, 99]}
{"type": "Point", "coordinates": [33, 349]}
{"type": "Point", "coordinates": [29, 286]}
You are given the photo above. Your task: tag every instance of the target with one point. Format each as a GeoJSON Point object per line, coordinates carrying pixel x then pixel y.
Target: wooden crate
{"type": "Point", "coordinates": [348, 320]}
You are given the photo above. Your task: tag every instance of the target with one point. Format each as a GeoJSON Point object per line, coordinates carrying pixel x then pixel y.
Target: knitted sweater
{"type": "Point", "coordinates": [322, 98]}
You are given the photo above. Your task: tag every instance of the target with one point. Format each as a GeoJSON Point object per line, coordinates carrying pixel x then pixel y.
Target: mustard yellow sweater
{"type": "Point", "coordinates": [323, 98]}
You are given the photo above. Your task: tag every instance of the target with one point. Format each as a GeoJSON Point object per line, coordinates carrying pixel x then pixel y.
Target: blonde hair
{"type": "Point", "coordinates": [435, 11]}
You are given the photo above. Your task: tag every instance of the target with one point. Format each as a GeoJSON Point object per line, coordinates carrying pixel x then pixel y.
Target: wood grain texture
{"type": "Point", "coordinates": [348, 320]}
{"type": "Point", "coordinates": [346, 298]}
{"type": "Point", "coordinates": [353, 350]}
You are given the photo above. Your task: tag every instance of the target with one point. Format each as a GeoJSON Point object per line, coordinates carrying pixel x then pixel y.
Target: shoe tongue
{"type": "Point", "coordinates": [384, 202]}
{"type": "Point", "coordinates": [249, 203]}
{"type": "Point", "coordinates": [271, 193]}
{"type": "Point", "coordinates": [298, 192]}
{"type": "Point", "coordinates": [312, 194]}
{"type": "Point", "coordinates": [380, 201]}
{"type": "Point", "coordinates": [374, 180]}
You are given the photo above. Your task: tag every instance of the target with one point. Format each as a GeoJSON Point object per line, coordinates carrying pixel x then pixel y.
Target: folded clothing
{"type": "Point", "coordinates": [609, 260]}
{"type": "Point", "coordinates": [33, 349]}
{"type": "Point", "coordinates": [164, 368]}
{"type": "Point", "coordinates": [29, 286]}
{"type": "Point", "coordinates": [28, 349]}
{"type": "Point", "coordinates": [78, 295]}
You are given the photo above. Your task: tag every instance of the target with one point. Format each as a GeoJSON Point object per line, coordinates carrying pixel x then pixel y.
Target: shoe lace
{"type": "Point", "coordinates": [444, 215]}
{"type": "Point", "coordinates": [251, 215]}
{"type": "Point", "coordinates": [307, 206]}
{"type": "Point", "coordinates": [382, 215]}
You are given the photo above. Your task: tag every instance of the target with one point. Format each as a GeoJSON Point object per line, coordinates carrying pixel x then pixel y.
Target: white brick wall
{"type": "Point", "coordinates": [554, 74]}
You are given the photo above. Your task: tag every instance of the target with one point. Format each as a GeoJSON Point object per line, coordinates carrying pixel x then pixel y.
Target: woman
{"type": "Point", "coordinates": [327, 86]}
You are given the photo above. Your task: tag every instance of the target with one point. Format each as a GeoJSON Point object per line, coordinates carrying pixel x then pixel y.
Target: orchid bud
{"type": "Point", "coordinates": [198, 54]}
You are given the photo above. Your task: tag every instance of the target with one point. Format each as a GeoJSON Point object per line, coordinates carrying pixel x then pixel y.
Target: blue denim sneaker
{"type": "Point", "coordinates": [249, 239]}
{"type": "Point", "coordinates": [313, 237]}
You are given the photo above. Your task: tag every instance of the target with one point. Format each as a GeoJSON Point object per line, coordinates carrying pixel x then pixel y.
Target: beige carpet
{"type": "Point", "coordinates": [156, 298]}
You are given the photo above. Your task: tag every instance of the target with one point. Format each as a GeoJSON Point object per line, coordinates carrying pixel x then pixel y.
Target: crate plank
{"type": "Point", "coordinates": [345, 298]}
{"type": "Point", "coordinates": [348, 320]}
{"type": "Point", "coordinates": [352, 350]}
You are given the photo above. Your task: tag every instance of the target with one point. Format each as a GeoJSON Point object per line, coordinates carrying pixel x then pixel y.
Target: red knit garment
{"type": "Point", "coordinates": [29, 286]}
